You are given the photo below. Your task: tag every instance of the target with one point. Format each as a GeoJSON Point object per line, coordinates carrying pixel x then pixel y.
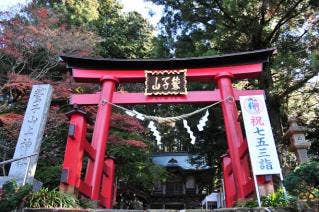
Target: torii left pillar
{"type": "Point", "coordinates": [74, 151]}
{"type": "Point", "coordinates": [100, 135]}
{"type": "Point", "coordinates": [99, 178]}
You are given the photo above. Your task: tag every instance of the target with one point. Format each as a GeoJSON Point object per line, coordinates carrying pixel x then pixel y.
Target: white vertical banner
{"type": "Point", "coordinates": [261, 145]}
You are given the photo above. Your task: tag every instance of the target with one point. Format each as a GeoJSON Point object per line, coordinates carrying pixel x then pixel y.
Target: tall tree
{"type": "Point", "coordinates": [30, 45]}
{"type": "Point", "coordinates": [194, 28]}
{"type": "Point", "coordinates": [125, 35]}
{"type": "Point", "coordinates": [129, 37]}
{"type": "Point", "coordinates": [32, 41]}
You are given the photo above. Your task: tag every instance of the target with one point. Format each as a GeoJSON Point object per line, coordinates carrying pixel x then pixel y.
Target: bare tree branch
{"type": "Point", "coordinates": [275, 10]}
{"type": "Point", "coordinates": [298, 84]}
{"type": "Point", "coordinates": [288, 16]}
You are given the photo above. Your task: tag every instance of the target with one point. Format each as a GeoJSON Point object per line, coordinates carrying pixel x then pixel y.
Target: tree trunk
{"type": "Point", "coordinates": [273, 103]}
{"type": "Point", "coordinates": [275, 116]}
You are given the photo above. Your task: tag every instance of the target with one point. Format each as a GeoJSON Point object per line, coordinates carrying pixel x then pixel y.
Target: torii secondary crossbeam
{"type": "Point", "coordinates": [99, 178]}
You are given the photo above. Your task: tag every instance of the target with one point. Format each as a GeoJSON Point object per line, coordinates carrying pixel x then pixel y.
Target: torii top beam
{"type": "Point", "coordinates": [241, 65]}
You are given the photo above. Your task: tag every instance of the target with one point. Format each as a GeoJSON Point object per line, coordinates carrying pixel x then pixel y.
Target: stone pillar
{"type": "Point", "coordinates": [30, 138]}
{"type": "Point", "coordinates": [298, 143]}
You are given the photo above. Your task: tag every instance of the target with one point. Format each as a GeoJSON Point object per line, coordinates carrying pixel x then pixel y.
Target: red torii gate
{"type": "Point", "coordinates": [98, 181]}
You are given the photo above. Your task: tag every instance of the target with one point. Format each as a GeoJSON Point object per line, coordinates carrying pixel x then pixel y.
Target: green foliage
{"type": "Point", "coordinates": [49, 175]}
{"type": "Point", "coordinates": [87, 203]}
{"type": "Point", "coordinates": [303, 181]}
{"type": "Point", "coordinates": [54, 142]}
{"type": "Point", "coordinates": [12, 196]}
{"type": "Point", "coordinates": [52, 153]}
{"type": "Point", "coordinates": [79, 12]}
{"type": "Point", "coordinates": [134, 167]}
{"type": "Point", "coordinates": [83, 11]}
{"type": "Point", "coordinates": [124, 35]}
{"type": "Point", "coordinates": [250, 203]}
{"type": "Point", "coordinates": [197, 28]}
{"type": "Point", "coordinates": [45, 198]}
{"type": "Point", "coordinates": [278, 199]}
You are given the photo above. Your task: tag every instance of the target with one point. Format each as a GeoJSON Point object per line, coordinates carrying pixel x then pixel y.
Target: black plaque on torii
{"type": "Point", "coordinates": [172, 82]}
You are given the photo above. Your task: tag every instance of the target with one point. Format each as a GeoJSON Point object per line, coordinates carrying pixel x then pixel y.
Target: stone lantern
{"type": "Point", "coordinates": [298, 143]}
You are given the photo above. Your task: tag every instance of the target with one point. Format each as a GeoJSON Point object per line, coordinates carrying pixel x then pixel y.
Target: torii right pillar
{"type": "Point", "coordinates": [238, 149]}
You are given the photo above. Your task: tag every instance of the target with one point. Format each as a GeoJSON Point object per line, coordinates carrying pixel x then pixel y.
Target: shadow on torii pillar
{"type": "Point", "coordinates": [98, 183]}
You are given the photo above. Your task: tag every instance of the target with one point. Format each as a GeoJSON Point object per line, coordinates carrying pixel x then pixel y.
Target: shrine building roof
{"type": "Point", "coordinates": [249, 57]}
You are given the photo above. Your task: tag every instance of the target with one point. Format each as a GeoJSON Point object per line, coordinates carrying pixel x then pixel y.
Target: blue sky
{"type": "Point", "coordinates": [144, 8]}
{"type": "Point", "coordinates": [140, 6]}
{"type": "Point", "coordinates": [6, 4]}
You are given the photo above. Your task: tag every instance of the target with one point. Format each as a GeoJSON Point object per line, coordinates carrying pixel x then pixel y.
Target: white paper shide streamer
{"type": "Point", "coordinates": [130, 113]}
{"type": "Point", "coordinates": [136, 114]}
{"type": "Point", "coordinates": [156, 133]}
{"type": "Point", "coordinates": [191, 135]}
{"type": "Point", "coordinates": [139, 116]}
{"type": "Point", "coordinates": [202, 121]}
